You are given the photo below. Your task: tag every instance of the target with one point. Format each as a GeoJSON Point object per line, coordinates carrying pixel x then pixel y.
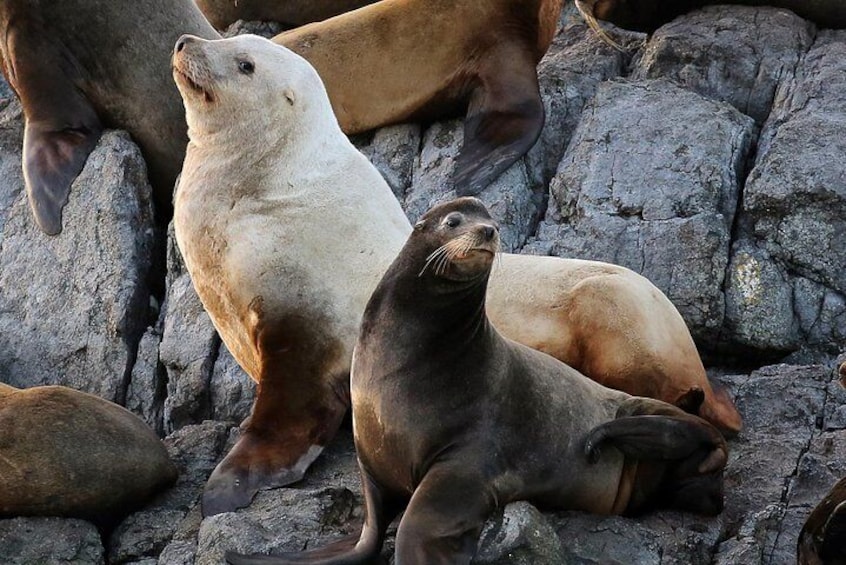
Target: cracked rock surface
{"type": "Point", "coordinates": [710, 159]}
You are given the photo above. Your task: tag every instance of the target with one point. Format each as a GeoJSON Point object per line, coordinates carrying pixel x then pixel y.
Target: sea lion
{"type": "Point", "coordinates": [479, 56]}
{"type": "Point", "coordinates": [286, 228]}
{"type": "Point", "coordinates": [222, 13]}
{"type": "Point", "coordinates": [822, 540]}
{"type": "Point", "coordinates": [649, 15]}
{"type": "Point", "coordinates": [69, 453]}
{"type": "Point", "coordinates": [454, 420]}
{"type": "Point", "coordinates": [79, 66]}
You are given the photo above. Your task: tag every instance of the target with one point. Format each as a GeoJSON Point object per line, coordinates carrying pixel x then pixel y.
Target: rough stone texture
{"type": "Point", "coordinates": [188, 348]}
{"type": "Point", "coordinates": [569, 74]}
{"type": "Point", "coordinates": [519, 535]}
{"type": "Point", "coordinates": [641, 188]}
{"type": "Point", "coordinates": [393, 150]}
{"type": "Point", "coordinates": [147, 387]}
{"type": "Point", "coordinates": [793, 210]}
{"type": "Point", "coordinates": [232, 390]}
{"type": "Point", "coordinates": [74, 306]}
{"type": "Point", "coordinates": [742, 63]}
{"type": "Point", "coordinates": [49, 541]}
{"type": "Point", "coordinates": [509, 197]}
{"type": "Point", "coordinates": [175, 514]}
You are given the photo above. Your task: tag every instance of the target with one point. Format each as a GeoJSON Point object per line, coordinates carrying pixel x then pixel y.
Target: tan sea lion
{"type": "Point", "coordinates": [222, 13]}
{"type": "Point", "coordinates": [479, 56]}
{"type": "Point", "coordinates": [286, 228]}
{"type": "Point", "coordinates": [69, 453]}
{"type": "Point", "coordinates": [451, 420]}
{"type": "Point", "coordinates": [81, 65]}
{"type": "Point", "coordinates": [649, 15]}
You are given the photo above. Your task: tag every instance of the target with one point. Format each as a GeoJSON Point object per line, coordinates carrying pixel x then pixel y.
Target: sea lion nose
{"type": "Point", "coordinates": [180, 43]}
{"type": "Point", "coordinates": [489, 232]}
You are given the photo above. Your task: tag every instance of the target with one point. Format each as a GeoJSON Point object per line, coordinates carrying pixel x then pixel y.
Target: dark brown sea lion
{"type": "Point", "coordinates": [822, 540]}
{"type": "Point", "coordinates": [479, 56]}
{"type": "Point", "coordinates": [264, 168]}
{"type": "Point", "coordinates": [649, 15]}
{"type": "Point", "coordinates": [222, 13]}
{"type": "Point", "coordinates": [81, 65]}
{"type": "Point", "coordinates": [454, 420]}
{"type": "Point", "coordinates": [69, 453]}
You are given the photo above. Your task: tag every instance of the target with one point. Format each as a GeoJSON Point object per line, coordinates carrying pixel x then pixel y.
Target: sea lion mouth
{"type": "Point", "coordinates": [191, 83]}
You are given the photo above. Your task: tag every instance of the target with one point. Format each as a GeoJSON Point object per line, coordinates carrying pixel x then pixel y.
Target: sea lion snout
{"type": "Point", "coordinates": [184, 40]}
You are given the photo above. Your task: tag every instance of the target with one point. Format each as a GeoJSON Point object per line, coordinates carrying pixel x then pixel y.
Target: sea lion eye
{"type": "Point", "coordinates": [453, 220]}
{"type": "Point", "coordinates": [246, 67]}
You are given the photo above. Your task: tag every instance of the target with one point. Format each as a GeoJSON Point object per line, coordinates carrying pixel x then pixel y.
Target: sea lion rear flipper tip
{"type": "Point", "coordinates": [498, 130]}
{"type": "Point", "coordinates": [51, 162]}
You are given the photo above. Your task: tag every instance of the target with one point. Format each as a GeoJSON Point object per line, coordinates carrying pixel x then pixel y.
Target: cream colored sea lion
{"type": "Point", "coordinates": [648, 15]}
{"type": "Point", "coordinates": [451, 420]}
{"type": "Point", "coordinates": [69, 453]}
{"type": "Point", "coordinates": [222, 13]}
{"type": "Point", "coordinates": [81, 65]}
{"type": "Point", "coordinates": [400, 60]}
{"type": "Point", "coordinates": [286, 228]}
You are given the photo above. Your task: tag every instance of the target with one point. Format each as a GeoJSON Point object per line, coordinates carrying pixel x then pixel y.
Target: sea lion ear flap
{"type": "Point", "coordinates": [51, 162]}
{"type": "Point", "coordinates": [504, 119]}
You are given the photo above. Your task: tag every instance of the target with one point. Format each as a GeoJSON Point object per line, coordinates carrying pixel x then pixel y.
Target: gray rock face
{"type": "Point", "coordinates": [49, 541]}
{"type": "Point", "coordinates": [641, 188]}
{"type": "Point", "coordinates": [742, 63]}
{"type": "Point", "coordinates": [792, 216]}
{"type": "Point", "coordinates": [74, 306]}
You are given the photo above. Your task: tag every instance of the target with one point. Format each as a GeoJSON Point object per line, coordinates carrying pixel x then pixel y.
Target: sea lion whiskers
{"type": "Point", "coordinates": [453, 249]}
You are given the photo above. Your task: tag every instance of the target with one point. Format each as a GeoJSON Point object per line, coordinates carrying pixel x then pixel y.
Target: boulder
{"type": "Point", "coordinates": [74, 306]}
{"type": "Point", "coordinates": [50, 541]}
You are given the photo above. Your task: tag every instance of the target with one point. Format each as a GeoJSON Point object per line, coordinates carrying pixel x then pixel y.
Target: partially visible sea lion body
{"type": "Point", "coordinates": [222, 13]}
{"type": "Point", "coordinates": [286, 228]}
{"type": "Point", "coordinates": [81, 65]}
{"type": "Point", "coordinates": [649, 15]}
{"type": "Point", "coordinates": [451, 420]}
{"type": "Point", "coordinates": [822, 540]}
{"type": "Point", "coordinates": [69, 453]}
{"type": "Point", "coordinates": [401, 60]}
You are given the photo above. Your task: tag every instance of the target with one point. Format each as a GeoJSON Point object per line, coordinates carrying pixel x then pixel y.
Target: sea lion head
{"type": "Point", "coordinates": [455, 242]}
{"type": "Point", "coordinates": [250, 85]}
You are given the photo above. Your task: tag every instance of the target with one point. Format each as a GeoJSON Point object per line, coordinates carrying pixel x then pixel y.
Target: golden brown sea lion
{"type": "Point", "coordinates": [400, 60]}
{"type": "Point", "coordinates": [69, 453]}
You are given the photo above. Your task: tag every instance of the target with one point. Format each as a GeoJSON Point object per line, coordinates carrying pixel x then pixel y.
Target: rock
{"type": "Point", "coordinates": [74, 306]}
{"type": "Point", "coordinates": [74, 454]}
{"type": "Point", "coordinates": [641, 188]}
{"type": "Point", "coordinates": [509, 197]}
{"type": "Point", "coordinates": [568, 75]}
{"type": "Point", "coordinates": [735, 54]}
{"type": "Point", "coordinates": [323, 507]}
{"type": "Point", "coordinates": [232, 390]}
{"type": "Point", "coordinates": [393, 151]}
{"type": "Point", "coordinates": [519, 535]}
{"type": "Point", "coordinates": [188, 348]}
{"type": "Point", "coordinates": [5, 90]}
{"type": "Point", "coordinates": [49, 541]}
{"type": "Point", "coordinates": [147, 387]}
{"type": "Point", "coordinates": [174, 516]}
{"type": "Point", "coordinates": [794, 211]}
{"type": "Point", "coordinates": [264, 29]}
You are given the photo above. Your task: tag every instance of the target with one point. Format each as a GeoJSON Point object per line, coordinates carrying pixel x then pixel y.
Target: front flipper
{"type": "Point", "coordinates": [380, 510]}
{"type": "Point", "coordinates": [660, 437]}
{"type": "Point", "coordinates": [62, 127]}
{"type": "Point", "coordinates": [504, 118]}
